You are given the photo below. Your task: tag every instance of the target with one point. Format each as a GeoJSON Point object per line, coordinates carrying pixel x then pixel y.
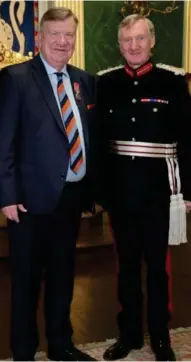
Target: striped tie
{"type": "Point", "coordinates": [76, 155]}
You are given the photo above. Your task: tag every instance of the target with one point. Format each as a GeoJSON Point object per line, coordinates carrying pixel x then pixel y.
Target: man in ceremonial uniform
{"type": "Point", "coordinates": [145, 112]}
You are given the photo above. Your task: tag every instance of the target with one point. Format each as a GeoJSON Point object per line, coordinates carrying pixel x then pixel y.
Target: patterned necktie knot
{"type": "Point", "coordinates": [59, 75]}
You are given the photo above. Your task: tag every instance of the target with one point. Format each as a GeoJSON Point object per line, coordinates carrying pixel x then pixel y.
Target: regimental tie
{"type": "Point", "coordinates": [69, 121]}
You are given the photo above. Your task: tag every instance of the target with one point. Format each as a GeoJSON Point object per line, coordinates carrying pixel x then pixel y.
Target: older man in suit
{"type": "Point", "coordinates": [46, 112]}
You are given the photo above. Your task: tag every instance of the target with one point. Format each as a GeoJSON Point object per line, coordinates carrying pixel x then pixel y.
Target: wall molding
{"type": "Point", "coordinates": [187, 37]}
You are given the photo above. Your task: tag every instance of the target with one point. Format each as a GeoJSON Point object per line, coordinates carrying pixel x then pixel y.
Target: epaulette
{"type": "Point", "coordinates": [110, 69]}
{"type": "Point", "coordinates": [171, 68]}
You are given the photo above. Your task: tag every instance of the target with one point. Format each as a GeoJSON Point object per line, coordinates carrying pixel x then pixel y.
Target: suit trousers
{"type": "Point", "coordinates": [42, 247]}
{"type": "Point", "coordinates": [141, 235]}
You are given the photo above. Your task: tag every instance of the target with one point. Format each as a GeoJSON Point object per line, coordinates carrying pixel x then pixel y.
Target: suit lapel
{"type": "Point", "coordinates": [44, 84]}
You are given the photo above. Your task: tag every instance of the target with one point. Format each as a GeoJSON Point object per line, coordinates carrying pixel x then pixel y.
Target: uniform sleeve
{"type": "Point", "coordinates": [9, 114]}
{"type": "Point", "coordinates": [184, 139]}
{"type": "Point", "coordinates": [102, 142]}
{"type": "Point", "coordinates": [90, 89]}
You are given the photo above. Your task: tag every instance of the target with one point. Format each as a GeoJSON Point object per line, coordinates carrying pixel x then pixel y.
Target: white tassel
{"type": "Point", "coordinates": [177, 223]}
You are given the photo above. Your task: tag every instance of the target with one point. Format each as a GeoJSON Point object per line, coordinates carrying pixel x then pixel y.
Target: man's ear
{"type": "Point", "coordinates": [39, 39]}
{"type": "Point", "coordinates": [152, 41]}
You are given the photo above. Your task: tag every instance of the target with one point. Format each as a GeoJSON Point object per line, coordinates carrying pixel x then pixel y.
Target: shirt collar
{"type": "Point", "coordinates": [143, 69]}
{"type": "Point", "coordinates": [50, 70]}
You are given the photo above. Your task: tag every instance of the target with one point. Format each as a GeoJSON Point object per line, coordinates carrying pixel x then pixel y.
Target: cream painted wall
{"type": "Point", "coordinates": [187, 37]}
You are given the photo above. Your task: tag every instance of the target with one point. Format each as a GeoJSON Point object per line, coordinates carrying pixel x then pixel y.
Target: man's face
{"type": "Point", "coordinates": [136, 43]}
{"type": "Point", "coordinates": [57, 41]}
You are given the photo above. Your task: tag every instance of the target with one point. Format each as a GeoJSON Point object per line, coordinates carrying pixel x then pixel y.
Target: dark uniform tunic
{"type": "Point", "coordinates": [150, 105]}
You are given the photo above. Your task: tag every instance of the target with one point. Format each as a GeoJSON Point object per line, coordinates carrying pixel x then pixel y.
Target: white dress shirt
{"type": "Point", "coordinates": [71, 176]}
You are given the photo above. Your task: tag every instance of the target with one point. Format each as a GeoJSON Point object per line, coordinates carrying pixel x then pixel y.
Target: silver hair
{"type": "Point", "coordinates": [130, 20]}
{"type": "Point", "coordinates": [57, 14]}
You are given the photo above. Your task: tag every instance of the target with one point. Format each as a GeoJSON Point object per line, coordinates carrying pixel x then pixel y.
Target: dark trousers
{"type": "Point", "coordinates": [138, 235]}
{"type": "Point", "coordinates": [44, 245]}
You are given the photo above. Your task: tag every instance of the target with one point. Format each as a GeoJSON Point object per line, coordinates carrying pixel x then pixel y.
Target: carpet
{"type": "Point", "coordinates": [180, 338]}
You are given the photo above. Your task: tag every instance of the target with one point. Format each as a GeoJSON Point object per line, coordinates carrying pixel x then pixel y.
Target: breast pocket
{"type": "Point", "coordinates": [117, 121]}
{"type": "Point", "coordinates": [118, 115]}
{"type": "Point", "coordinates": [154, 107]}
{"type": "Point", "coordinates": [91, 114]}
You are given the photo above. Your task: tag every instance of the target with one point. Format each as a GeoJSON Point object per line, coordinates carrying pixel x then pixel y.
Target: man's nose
{"type": "Point", "coordinates": [62, 39]}
{"type": "Point", "coordinates": [134, 44]}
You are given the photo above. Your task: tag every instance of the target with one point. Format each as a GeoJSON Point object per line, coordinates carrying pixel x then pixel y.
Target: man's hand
{"type": "Point", "coordinates": [188, 206]}
{"type": "Point", "coordinates": [11, 212]}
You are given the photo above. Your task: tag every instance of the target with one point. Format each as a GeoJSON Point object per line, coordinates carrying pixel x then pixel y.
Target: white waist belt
{"type": "Point", "coordinates": [177, 229]}
{"type": "Point", "coordinates": [143, 149]}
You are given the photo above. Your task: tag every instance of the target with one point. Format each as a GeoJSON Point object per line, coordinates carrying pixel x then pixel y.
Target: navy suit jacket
{"type": "Point", "coordinates": [34, 149]}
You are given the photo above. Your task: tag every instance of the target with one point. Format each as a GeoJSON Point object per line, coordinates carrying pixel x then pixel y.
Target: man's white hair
{"type": "Point", "coordinates": [130, 20]}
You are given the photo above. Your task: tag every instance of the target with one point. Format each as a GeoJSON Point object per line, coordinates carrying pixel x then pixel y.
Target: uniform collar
{"type": "Point", "coordinates": [143, 69]}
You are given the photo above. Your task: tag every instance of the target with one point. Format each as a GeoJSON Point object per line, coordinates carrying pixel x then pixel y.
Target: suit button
{"type": "Point", "coordinates": [134, 100]}
{"type": "Point", "coordinates": [135, 82]}
{"type": "Point", "coordinates": [62, 177]}
{"type": "Point", "coordinates": [133, 119]}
